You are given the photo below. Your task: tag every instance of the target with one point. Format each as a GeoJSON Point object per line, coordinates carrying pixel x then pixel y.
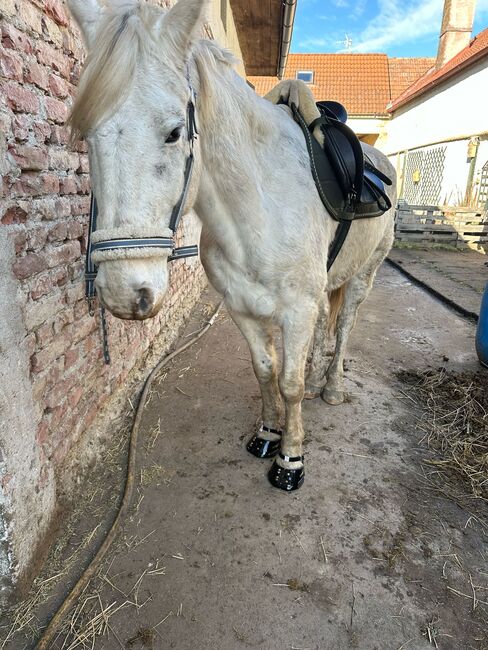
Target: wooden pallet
{"type": "Point", "coordinates": [460, 227]}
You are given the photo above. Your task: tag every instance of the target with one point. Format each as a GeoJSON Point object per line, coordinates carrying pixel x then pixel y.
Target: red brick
{"type": "Point", "coordinates": [43, 358]}
{"type": "Point", "coordinates": [29, 344]}
{"type": "Point", "coordinates": [80, 205]}
{"type": "Point", "coordinates": [70, 358]}
{"type": "Point", "coordinates": [56, 10]}
{"type": "Point", "coordinates": [58, 86]}
{"type": "Point", "coordinates": [21, 126]}
{"type": "Point", "coordinates": [15, 214]}
{"type": "Point", "coordinates": [37, 74]}
{"type": "Point", "coordinates": [74, 230]}
{"type": "Point", "coordinates": [11, 65]}
{"type": "Point", "coordinates": [60, 135]}
{"type": "Point", "coordinates": [35, 184]}
{"type": "Point", "coordinates": [48, 55]}
{"type": "Point", "coordinates": [59, 232]}
{"type": "Point", "coordinates": [30, 158]}
{"type": "Point", "coordinates": [15, 39]}
{"type": "Point", "coordinates": [56, 110]}
{"type": "Point", "coordinates": [43, 431]}
{"type": "Point", "coordinates": [42, 131]}
{"type": "Point", "coordinates": [57, 394]}
{"type": "Point", "coordinates": [84, 183]}
{"type": "Point", "coordinates": [45, 283]}
{"type": "Point", "coordinates": [63, 160]}
{"type": "Point", "coordinates": [20, 99]}
{"type": "Point", "coordinates": [74, 396]}
{"type": "Point", "coordinates": [44, 335]}
{"type": "Point", "coordinates": [29, 265]}
{"type": "Point", "coordinates": [68, 185]}
{"type": "Point", "coordinates": [64, 318]}
{"type": "Point", "coordinates": [37, 237]}
{"type": "Point", "coordinates": [64, 254]}
{"type": "Point", "coordinates": [84, 167]}
{"type": "Point", "coordinates": [20, 239]}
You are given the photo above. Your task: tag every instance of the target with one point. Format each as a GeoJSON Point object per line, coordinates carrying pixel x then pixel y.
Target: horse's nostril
{"type": "Point", "coordinates": [145, 302]}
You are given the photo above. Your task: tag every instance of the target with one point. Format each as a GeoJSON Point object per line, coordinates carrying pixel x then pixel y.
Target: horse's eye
{"type": "Point", "coordinates": [174, 136]}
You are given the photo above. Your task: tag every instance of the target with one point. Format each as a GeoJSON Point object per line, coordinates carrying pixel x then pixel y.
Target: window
{"type": "Point", "coordinates": [305, 75]}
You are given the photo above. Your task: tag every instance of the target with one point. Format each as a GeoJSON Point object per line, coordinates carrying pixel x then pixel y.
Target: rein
{"type": "Point", "coordinates": [143, 246]}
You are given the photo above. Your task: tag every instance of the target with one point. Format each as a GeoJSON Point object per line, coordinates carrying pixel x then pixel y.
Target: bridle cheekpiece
{"type": "Point", "coordinates": [120, 243]}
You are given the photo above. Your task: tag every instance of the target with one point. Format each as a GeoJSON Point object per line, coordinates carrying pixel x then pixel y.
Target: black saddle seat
{"type": "Point", "coordinates": [335, 109]}
{"type": "Point", "coordinates": [349, 185]}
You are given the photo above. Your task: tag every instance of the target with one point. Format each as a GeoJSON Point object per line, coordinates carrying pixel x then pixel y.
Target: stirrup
{"type": "Point", "coordinates": [262, 448]}
{"type": "Point", "coordinates": [287, 479]}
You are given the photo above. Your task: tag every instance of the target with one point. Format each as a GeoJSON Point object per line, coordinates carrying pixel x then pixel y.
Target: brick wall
{"type": "Point", "coordinates": [44, 205]}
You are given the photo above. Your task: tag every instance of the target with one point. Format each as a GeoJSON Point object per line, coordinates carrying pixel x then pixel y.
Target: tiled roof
{"type": "Point", "coordinates": [362, 82]}
{"type": "Point", "coordinates": [263, 85]}
{"type": "Point", "coordinates": [477, 49]}
{"type": "Point", "coordinates": [359, 81]}
{"type": "Point", "coordinates": [405, 71]}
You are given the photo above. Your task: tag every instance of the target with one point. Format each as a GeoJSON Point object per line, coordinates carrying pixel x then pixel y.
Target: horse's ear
{"type": "Point", "coordinates": [180, 25]}
{"type": "Point", "coordinates": [87, 14]}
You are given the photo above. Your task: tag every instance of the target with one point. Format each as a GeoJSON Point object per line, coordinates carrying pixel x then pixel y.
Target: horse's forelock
{"type": "Point", "coordinates": [123, 37]}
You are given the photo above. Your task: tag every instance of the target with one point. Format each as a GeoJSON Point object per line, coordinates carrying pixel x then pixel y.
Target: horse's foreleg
{"type": "Point", "coordinates": [287, 471]}
{"type": "Point", "coordinates": [316, 377]}
{"type": "Point", "coordinates": [266, 442]}
{"type": "Point", "coordinates": [356, 292]}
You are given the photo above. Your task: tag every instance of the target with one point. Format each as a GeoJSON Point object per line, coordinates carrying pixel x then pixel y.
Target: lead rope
{"type": "Point", "coordinates": [90, 275]}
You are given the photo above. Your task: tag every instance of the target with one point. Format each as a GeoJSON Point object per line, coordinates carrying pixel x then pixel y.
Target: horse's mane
{"type": "Point", "coordinates": [126, 36]}
{"type": "Point", "coordinates": [122, 39]}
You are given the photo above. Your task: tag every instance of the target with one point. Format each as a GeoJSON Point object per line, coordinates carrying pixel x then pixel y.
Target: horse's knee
{"type": "Point", "coordinates": [264, 368]}
{"type": "Point", "coordinates": [292, 389]}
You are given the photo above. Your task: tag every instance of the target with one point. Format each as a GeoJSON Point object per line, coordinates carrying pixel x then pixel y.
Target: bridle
{"type": "Point", "coordinates": [142, 246]}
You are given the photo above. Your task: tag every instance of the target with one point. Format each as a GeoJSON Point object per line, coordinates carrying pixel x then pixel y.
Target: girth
{"type": "Point", "coordinates": [349, 185]}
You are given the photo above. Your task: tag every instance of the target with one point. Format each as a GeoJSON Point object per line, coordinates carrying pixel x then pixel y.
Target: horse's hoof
{"type": "Point", "coordinates": [286, 479]}
{"type": "Point", "coordinates": [331, 396]}
{"type": "Point", "coordinates": [311, 392]}
{"type": "Point", "coordinates": [262, 448]}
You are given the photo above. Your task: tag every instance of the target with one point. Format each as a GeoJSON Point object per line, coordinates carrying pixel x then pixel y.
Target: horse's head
{"type": "Point", "coordinates": [132, 108]}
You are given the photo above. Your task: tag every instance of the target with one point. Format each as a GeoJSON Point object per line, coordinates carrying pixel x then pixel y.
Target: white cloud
{"type": "Point", "coordinates": [399, 23]}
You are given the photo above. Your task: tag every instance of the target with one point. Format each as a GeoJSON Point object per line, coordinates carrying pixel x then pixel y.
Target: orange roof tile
{"type": "Point", "coordinates": [364, 83]}
{"type": "Point", "coordinates": [405, 71]}
{"type": "Point", "coordinates": [263, 85]}
{"type": "Point", "coordinates": [476, 50]}
{"type": "Point", "coordinates": [359, 81]}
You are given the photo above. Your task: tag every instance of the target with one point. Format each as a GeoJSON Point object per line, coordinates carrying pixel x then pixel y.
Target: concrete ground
{"type": "Point", "coordinates": [369, 553]}
{"type": "Point", "coordinates": [459, 275]}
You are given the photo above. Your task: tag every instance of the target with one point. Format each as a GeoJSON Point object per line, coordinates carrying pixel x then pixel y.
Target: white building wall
{"type": "Point", "coordinates": [457, 109]}
{"type": "Point", "coordinates": [445, 118]}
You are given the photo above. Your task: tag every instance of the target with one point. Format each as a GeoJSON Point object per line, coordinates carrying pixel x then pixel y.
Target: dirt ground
{"type": "Point", "coordinates": [377, 551]}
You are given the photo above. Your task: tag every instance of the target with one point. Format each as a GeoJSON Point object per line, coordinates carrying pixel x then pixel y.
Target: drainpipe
{"type": "Point", "coordinates": [289, 9]}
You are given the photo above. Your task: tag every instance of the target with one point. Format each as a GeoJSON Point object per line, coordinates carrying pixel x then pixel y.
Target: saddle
{"type": "Point", "coordinates": [348, 183]}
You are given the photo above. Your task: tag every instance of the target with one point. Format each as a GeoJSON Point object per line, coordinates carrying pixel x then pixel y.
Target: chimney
{"type": "Point", "coordinates": [457, 23]}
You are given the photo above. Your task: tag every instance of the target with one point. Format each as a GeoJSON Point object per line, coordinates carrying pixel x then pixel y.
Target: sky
{"type": "Point", "coordinates": [396, 27]}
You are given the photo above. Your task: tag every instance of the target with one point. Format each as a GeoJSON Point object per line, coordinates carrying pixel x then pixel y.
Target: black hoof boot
{"type": "Point", "coordinates": [262, 448]}
{"type": "Point", "coordinates": [287, 479]}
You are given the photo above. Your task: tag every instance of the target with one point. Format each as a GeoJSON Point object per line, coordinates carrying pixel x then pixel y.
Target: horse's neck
{"type": "Point", "coordinates": [237, 130]}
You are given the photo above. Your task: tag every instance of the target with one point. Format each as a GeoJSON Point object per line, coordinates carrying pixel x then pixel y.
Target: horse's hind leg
{"type": "Point", "coordinates": [356, 291]}
{"type": "Point", "coordinates": [287, 472]}
{"type": "Point", "coordinates": [316, 375]}
{"type": "Point", "coordinates": [266, 442]}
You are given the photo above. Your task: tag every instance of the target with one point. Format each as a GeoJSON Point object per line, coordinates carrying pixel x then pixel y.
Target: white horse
{"type": "Point", "coordinates": [266, 234]}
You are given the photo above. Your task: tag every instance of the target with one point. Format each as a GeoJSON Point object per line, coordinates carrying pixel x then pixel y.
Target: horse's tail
{"type": "Point", "coordinates": [336, 300]}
